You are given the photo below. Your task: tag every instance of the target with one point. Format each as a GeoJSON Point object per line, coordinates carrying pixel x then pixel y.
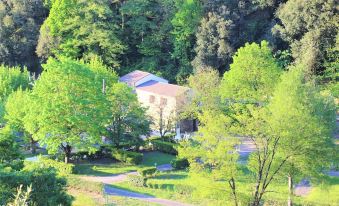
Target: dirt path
{"type": "Point", "coordinates": [108, 179]}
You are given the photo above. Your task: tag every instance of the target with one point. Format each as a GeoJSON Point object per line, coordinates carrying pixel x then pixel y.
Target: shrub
{"type": "Point", "coordinates": [47, 188]}
{"type": "Point", "coordinates": [137, 180]}
{"type": "Point", "coordinates": [147, 172]}
{"type": "Point", "coordinates": [84, 155]}
{"type": "Point", "coordinates": [127, 156]}
{"type": "Point", "coordinates": [43, 162]}
{"type": "Point", "coordinates": [166, 147]}
{"type": "Point", "coordinates": [180, 163]}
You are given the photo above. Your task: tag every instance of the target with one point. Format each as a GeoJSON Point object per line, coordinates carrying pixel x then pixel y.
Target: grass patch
{"type": "Point", "coordinates": [325, 194]}
{"type": "Point", "coordinates": [159, 158]}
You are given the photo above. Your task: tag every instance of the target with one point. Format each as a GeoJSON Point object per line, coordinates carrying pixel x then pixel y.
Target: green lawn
{"type": "Point", "coordinates": [159, 158]}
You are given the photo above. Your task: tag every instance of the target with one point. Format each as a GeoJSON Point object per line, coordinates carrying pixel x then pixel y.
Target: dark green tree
{"type": "Point", "coordinates": [146, 29]}
{"type": "Point", "coordinates": [20, 21]}
{"type": "Point", "coordinates": [310, 28]}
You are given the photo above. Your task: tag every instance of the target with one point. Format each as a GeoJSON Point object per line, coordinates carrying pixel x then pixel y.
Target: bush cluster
{"type": "Point", "coordinates": [181, 163]}
{"type": "Point", "coordinates": [166, 147]}
{"type": "Point", "coordinates": [148, 172]}
{"type": "Point", "coordinates": [127, 156]}
{"type": "Point", "coordinates": [47, 188]}
{"type": "Point", "coordinates": [137, 180]}
{"type": "Point", "coordinates": [44, 162]}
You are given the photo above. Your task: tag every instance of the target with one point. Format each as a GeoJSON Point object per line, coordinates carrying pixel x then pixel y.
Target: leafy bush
{"type": "Point", "coordinates": [47, 188]}
{"type": "Point", "coordinates": [137, 180]}
{"type": "Point", "coordinates": [166, 147]}
{"type": "Point", "coordinates": [166, 138]}
{"type": "Point", "coordinates": [147, 172]}
{"type": "Point", "coordinates": [180, 163]}
{"type": "Point", "coordinates": [127, 156]}
{"type": "Point", "coordinates": [43, 162]}
{"type": "Point", "coordinates": [103, 152]}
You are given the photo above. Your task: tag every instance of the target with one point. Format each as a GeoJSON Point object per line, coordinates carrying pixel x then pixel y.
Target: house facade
{"type": "Point", "coordinates": [163, 101]}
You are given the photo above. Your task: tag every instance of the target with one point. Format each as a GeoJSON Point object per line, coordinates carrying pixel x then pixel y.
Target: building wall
{"type": "Point", "coordinates": [169, 110]}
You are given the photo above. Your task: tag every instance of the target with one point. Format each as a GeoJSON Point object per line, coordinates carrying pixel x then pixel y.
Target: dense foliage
{"type": "Point", "coordinates": [264, 71]}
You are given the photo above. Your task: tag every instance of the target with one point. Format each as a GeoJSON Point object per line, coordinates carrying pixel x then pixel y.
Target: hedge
{"type": "Point", "coordinates": [147, 172]}
{"type": "Point", "coordinates": [180, 163]}
{"type": "Point", "coordinates": [166, 147]}
{"type": "Point", "coordinates": [127, 156]}
{"type": "Point", "coordinates": [137, 180]}
{"type": "Point", "coordinates": [43, 162]}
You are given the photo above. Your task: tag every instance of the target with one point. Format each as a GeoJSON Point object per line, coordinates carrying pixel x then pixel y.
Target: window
{"type": "Point", "coordinates": [163, 101]}
{"type": "Point", "coordinates": [151, 99]}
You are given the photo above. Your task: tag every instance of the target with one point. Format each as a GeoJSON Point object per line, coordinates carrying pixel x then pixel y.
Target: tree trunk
{"type": "Point", "coordinates": [232, 185]}
{"type": "Point", "coordinates": [290, 190]}
{"type": "Point", "coordinates": [67, 151]}
{"type": "Point", "coordinates": [33, 146]}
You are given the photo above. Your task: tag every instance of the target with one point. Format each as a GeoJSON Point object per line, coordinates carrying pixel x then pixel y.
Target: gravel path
{"type": "Point", "coordinates": [108, 179]}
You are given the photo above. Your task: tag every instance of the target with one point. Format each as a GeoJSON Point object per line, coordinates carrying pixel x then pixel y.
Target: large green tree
{"type": "Point", "coordinates": [302, 120]}
{"type": "Point", "coordinates": [69, 108]}
{"type": "Point", "coordinates": [81, 30]}
{"type": "Point", "coordinates": [252, 76]}
{"type": "Point", "coordinates": [246, 89]}
{"type": "Point", "coordinates": [20, 21]}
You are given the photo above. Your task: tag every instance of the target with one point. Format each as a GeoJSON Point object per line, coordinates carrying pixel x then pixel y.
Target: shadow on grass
{"type": "Point", "coordinates": [102, 170]}
{"type": "Point", "coordinates": [126, 192]}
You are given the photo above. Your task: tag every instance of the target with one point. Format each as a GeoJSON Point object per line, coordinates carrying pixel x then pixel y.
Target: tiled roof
{"type": "Point", "coordinates": [162, 88]}
{"type": "Point", "coordinates": [133, 77]}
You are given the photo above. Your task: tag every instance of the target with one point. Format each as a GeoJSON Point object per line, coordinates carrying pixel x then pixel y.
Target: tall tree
{"type": "Point", "coordinates": [213, 46]}
{"type": "Point", "coordinates": [146, 29]}
{"type": "Point", "coordinates": [302, 119]}
{"type": "Point", "coordinates": [20, 21]}
{"type": "Point", "coordinates": [310, 27]}
{"type": "Point", "coordinates": [80, 30]}
{"type": "Point", "coordinates": [17, 106]}
{"type": "Point", "coordinates": [69, 108]}
{"type": "Point", "coordinates": [185, 24]}
{"type": "Point", "coordinates": [128, 121]}
{"type": "Point", "coordinates": [246, 89]}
